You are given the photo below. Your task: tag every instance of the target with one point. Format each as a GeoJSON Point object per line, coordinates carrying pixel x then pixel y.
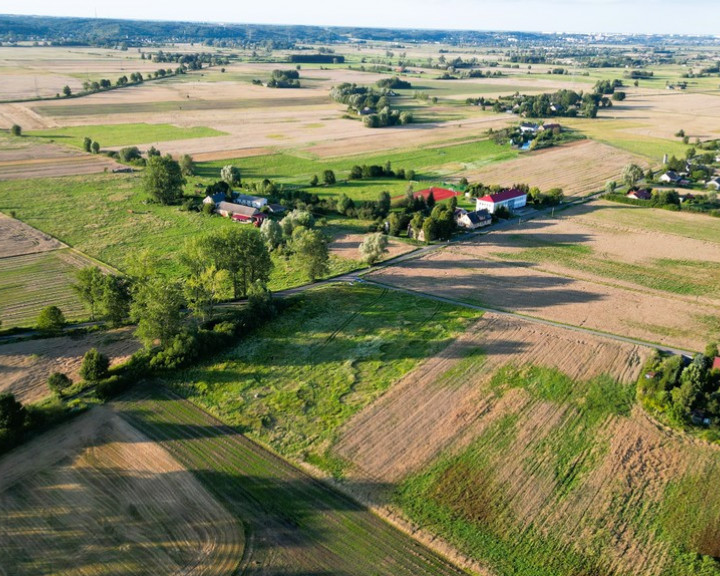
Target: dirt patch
{"type": "Point", "coordinates": [347, 246]}
{"type": "Point", "coordinates": [25, 366]}
{"type": "Point", "coordinates": [17, 238]}
{"type": "Point", "coordinates": [580, 168]}
{"type": "Point", "coordinates": [97, 497]}
{"type": "Point", "coordinates": [429, 411]}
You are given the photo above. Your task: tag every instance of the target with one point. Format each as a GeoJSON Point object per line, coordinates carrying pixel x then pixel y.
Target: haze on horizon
{"type": "Point", "coordinates": [582, 16]}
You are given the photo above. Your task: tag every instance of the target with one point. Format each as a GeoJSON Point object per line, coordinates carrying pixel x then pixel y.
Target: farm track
{"type": "Point", "coordinates": [295, 524]}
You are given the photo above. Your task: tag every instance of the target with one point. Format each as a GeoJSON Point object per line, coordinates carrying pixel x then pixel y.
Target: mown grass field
{"type": "Point", "coordinates": [295, 524]}
{"type": "Point", "coordinates": [109, 135]}
{"type": "Point", "coordinates": [30, 282]}
{"type": "Point", "coordinates": [331, 353]}
{"type": "Point", "coordinates": [534, 494]}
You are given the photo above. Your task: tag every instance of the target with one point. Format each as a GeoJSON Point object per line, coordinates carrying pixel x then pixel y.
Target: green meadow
{"type": "Point", "coordinates": [109, 135]}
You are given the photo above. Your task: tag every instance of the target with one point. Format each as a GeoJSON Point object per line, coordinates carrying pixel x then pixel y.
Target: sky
{"type": "Point", "coordinates": [623, 16]}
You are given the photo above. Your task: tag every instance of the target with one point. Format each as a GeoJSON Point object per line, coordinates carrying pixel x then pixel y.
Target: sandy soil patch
{"type": "Point", "coordinates": [26, 366]}
{"type": "Point", "coordinates": [347, 246]}
{"type": "Point", "coordinates": [580, 168]}
{"type": "Point", "coordinates": [428, 412]}
{"type": "Point", "coordinates": [99, 498]}
{"type": "Point", "coordinates": [17, 238]}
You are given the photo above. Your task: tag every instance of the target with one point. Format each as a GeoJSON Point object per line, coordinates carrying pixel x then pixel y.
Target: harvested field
{"type": "Point", "coordinates": [464, 272]}
{"type": "Point", "coordinates": [296, 525]}
{"type": "Point", "coordinates": [580, 168]}
{"type": "Point", "coordinates": [31, 159]}
{"type": "Point", "coordinates": [347, 246]}
{"type": "Point", "coordinates": [30, 282]}
{"type": "Point", "coordinates": [442, 403]}
{"type": "Point", "coordinates": [522, 445]}
{"type": "Point", "coordinates": [17, 239]}
{"type": "Point", "coordinates": [26, 366]}
{"type": "Point", "coordinates": [96, 497]}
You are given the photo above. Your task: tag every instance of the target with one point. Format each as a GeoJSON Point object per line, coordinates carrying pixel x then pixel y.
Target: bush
{"type": "Point", "coordinates": [16, 130]}
{"type": "Point", "coordinates": [51, 319]}
{"type": "Point", "coordinates": [95, 366]}
{"type": "Point", "coordinates": [179, 350]}
{"type": "Point", "coordinates": [58, 383]}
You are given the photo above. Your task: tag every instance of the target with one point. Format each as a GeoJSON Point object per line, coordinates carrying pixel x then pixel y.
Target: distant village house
{"type": "Point", "coordinates": [512, 199]}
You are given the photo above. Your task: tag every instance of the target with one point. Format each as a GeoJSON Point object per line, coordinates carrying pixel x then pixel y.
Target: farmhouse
{"type": "Point", "coordinates": [512, 199]}
{"type": "Point", "coordinates": [214, 198]}
{"type": "Point", "coordinates": [670, 177]}
{"type": "Point", "coordinates": [472, 220]}
{"type": "Point", "coordinates": [640, 194]}
{"type": "Point", "coordinates": [252, 201]}
{"type": "Point", "coordinates": [551, 127]}
{"type": "Point", "coordinates": [239, 213]}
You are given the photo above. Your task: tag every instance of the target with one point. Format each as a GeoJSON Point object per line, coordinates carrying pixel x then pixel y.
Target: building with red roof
{"type": "Point", "coordinates": [512, 199]}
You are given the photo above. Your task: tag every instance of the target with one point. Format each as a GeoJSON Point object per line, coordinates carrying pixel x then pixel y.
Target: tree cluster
{"type": "Point", "coordinates": [358, 172]}
{"type": "Point", "coordinates": [284, 79]}
{"type": "Point", "coordinates": [394, 83]}
{"type": "Point", "coordinates": [372, 105]}
{"type": "Point", "coordinates": [687, 391]}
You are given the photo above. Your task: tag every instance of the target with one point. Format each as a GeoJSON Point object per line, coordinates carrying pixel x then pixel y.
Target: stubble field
{"type": "Point", "coordinates": [97, 497]}
{"type": "Point", "coordinates": [26, 366]}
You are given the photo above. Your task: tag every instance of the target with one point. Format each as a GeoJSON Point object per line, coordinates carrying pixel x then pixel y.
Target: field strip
{"type": "Point", "coordinates": [529, 318]}
{"type": "Point", "coordinates": [293, 520]}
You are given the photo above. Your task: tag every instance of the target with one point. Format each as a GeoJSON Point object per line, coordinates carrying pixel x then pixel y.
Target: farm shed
{"type": "Point", "coordinates": [236, 211]}
{"type": "Point", "coordinates": [512, 199]}
{"type": "Point", "coordinates": [252, 201]}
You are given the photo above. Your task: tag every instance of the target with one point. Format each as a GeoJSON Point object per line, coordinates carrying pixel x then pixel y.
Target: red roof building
{"type": "Point", "coordinates": [512, 199]}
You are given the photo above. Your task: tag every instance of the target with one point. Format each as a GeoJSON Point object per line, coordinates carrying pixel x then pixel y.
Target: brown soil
{"type": "Point", "coordinates": [26, 366]}
{"type": "Point", "coordinates": [462, 273]}
{"type": "Point", "coordinates": [17, 238]}
{"type": "Point", "coordinates": [347, 246]}
{"type": "Point", "coordinates": [580, 168]}
{"type": "Point", "coordinates": [98, 498]}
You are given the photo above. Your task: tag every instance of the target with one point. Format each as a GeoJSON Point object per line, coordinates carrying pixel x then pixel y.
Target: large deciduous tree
{"type": "Point", "coordinates": [373, 247]}
{"type": "Point", "coordinates": [311, 252]}
{"type": "Point", "coordinates": [163, 180]}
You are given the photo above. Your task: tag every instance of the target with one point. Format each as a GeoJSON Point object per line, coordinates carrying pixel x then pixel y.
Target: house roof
{"type": "Point", "coordinates": [237, 209]}
{"type": "Point", "coordinates": [479, 216]}
{"type": "Point", "coordinates": [504, 195]}
{"type": "Point", "coordinates": [217, 197]}
{"type": "Point", "coordinates": [641, 194]}
{"type": "Point", "coordinates": [248, 198]}
{"type": "Point", "coordinates": [716, 363]}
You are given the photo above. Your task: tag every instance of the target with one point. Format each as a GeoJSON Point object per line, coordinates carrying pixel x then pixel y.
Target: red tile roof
{"type": "Point", "coordinates": [504, 195]}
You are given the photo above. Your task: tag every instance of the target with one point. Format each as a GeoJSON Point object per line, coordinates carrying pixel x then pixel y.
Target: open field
{"type": "Point", "coordinates": [295, 524]}
{"type": "Point", "coordinates": [653, 280]}
{"type": "Point", "coordinates": [347, 246]}
{"type": "Point", "coordinates": [441, 404]}
{"type": "Point", "coordinates": [344, 346]}
{"type": "Point", "coordinates": [30, 282]}
{"type": "Point", "coordinates": [117, 135]}
{"type": "Point", "coordinates": [26, 366]}
{"type": "Point", "coordinates": [522, 445]}
{"type": "Point", "coordinates": [17, 238]}
{"type": "Point", "coordinates": [96, 497]}
{"type": "Point", "coordinates": [580, 168]}
{"type": "Point", "coordinates": [25, 158]}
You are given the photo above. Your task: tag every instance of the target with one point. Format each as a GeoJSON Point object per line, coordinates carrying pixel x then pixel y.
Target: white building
{"type": "Point", "coordinates": [511, 199]}
{"type": "Point", "coordinates": [253, 201]}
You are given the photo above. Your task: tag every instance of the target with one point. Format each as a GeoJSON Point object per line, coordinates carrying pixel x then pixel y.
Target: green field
{"type": "Point", "coordinates": [334, 351]}
{"type": "Point", "coordinates": [295, 525]}
{"type": "Point", "coordinates": [475, 498]}
{"type": "Point", "coordinates": [109, 135]}
{"type": "Point", "coordinates": [30, 282]}
{"type": "Point", "coordinates": [429, 163]}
